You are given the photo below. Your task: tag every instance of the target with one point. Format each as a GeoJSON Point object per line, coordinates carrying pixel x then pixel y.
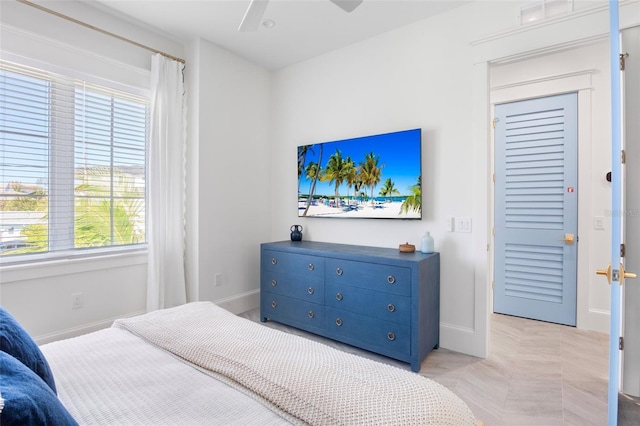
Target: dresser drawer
{"type": "Point", "coordinates": [388, 338]}
{"type": "Point", "coordinates": [300, 265]}
{"type": "Point", "coordinates": [384, 306]}
{"type": "Point", "coordinates": [310, 287]}
{"type": "Point", "coordinates": [305, 315]}
{"type": "Point", "coordinates": [373, 276]}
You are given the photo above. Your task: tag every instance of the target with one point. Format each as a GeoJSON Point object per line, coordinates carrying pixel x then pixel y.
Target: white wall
{"type": "Point", "coordinates": [229, 201]}
{"type": "Point", "coordinates": [434, 75]}
{"type": "Point", "coordinates": [40, 296]}
{"type": "Point", "coordinates": [401, 80]}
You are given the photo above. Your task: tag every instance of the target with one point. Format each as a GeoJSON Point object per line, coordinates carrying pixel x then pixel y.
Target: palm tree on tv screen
{"type": "Point", "coordinates": [302, 155]}
{"type": "Point", "coordinates": [414, 201]}
{"type": "Point", "coordinates": [371, 172]}
{"type": "Point", "coordinates": [311, 172]}
{"type": "Point", "coordinates": [350, 174]}
{"type": "Point", "coordinates": [334, 173]}
{"type": "Point", "coordinates": [389, 189]}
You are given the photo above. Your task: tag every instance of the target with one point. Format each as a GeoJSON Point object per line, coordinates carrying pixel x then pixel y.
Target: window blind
{"type": "Point", "coordinates": [73, 161]}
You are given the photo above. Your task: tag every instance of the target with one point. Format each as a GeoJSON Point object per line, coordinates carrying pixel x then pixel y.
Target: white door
{"type": "Point", "coordinates": [536, 208]}
{"type": "Point", "coordinates": [631, 289]}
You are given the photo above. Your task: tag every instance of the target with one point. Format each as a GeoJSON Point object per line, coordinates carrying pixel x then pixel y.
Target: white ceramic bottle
{"type": "Point", "coordinates": [427, 243]}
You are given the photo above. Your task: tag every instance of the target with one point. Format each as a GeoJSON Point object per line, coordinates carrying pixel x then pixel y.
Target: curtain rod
{"type": "Point", "coordinates": [100, 30]}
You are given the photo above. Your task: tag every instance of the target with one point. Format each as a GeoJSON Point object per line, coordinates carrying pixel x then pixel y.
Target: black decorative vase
{"type": "Point", "coordinates": [296, 233]}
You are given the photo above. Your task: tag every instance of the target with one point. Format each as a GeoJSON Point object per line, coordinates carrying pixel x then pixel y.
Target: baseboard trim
{"type": "Point", "coordinates": [599, 320]}
{"type": "Point", "coordinates": [458, 339]}
{"type": "Point", "coordinates": [242, 302]}
{"type": "Point", "coordinates": [80, 330]}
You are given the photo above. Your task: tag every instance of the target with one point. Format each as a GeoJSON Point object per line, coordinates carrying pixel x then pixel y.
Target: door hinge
{"type": "Point", "coordinates": [621, 343]}
{"type": "Point", "coordinates": [493, 231]}
{"type": "Point", "coordinates": [494, 178]}
{"type": "Point", "coordinates": [623, 156]}
{"type": "Point", "coordinates": [623, 60]}
{"type": "Point", "coordinates": [492, 285]}
{"type": "Point", "coordinates": [623, 250]}
{"type": "Point", "coordinates": [493, 122]}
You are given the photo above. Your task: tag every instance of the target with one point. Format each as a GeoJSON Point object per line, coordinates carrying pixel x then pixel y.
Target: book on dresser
{"type": "Point", "coordinates": [375, 298]}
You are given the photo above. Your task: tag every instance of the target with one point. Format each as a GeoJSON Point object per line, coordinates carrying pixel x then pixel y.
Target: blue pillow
{"type": "Point", "coordinates": [15, 341]}
{"type": "Point", "coordinates": [28, 400]}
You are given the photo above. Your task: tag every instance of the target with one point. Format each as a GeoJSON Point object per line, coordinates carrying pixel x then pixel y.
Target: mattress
{"type": "Point", "coordinates": [199, 364]}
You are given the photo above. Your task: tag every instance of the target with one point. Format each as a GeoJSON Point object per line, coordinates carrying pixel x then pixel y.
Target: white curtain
{"type": "Point", "coordinates": [166, 186]}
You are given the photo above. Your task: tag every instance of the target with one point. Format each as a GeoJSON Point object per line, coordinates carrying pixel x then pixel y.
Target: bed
{"type": "Point", "coordinates": [199, 364]}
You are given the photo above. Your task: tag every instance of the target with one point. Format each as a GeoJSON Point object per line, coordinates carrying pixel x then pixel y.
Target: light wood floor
{"type": "Point", "coordinates": [538, 374]}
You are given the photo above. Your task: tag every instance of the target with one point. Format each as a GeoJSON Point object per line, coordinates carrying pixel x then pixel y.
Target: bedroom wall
{"type": "Point", "coordinates": [434, 75]}
{"type": "Point", "coordinates": [229, 193]}
{"type": "Point", "coordinates": [418, 76]}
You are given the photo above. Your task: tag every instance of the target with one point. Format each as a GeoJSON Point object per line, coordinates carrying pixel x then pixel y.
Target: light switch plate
{"type": "Point", "coordinates": [463, 224]}
{"type": "Point", "coordinates": [450, 224]}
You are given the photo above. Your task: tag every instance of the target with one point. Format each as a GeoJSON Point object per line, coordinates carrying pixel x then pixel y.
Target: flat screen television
{"type": "Point", "coordinates": [376, 176]}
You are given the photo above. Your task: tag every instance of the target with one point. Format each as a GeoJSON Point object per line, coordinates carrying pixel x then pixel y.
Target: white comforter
{"type": "Point", "coordinates": [288, 377]}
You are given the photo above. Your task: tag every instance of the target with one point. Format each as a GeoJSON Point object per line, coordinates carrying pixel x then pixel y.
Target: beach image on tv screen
{"type": "Point", "coordinates": [375, 176]}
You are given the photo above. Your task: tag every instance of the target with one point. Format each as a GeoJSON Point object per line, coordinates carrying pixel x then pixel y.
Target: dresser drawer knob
{"type": "Point", "coordinates": [274, 304]}
{"type": "Point", "coordinates": [339, 296]}
{"type": "Point", "coordinates": [391, 307]}
{"type": "Point", "coordinates": [274, 283]}
{"type": "Point", "coordinates": [339, 271]}
{"type": "Point", "coordinates": [391, 279]}
{"type": "Point", "coordinates": [311, 267]}
{"type": "Point", "coordinates": [310, 290]}
{"type": "Point", "coordinates": [274, 261]}
{"type": "Point", "coordinates": [311, 314]}
{"type": "Point", "coordinates": [339, 322]}
{"type": "Point", "coordinates": [391, 336]}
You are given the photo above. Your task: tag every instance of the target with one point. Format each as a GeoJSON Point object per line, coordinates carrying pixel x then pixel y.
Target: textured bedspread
{"type": "Point", "coordinates": [111, 377]}
{"type": "Point", "coordinates": [310, 381]}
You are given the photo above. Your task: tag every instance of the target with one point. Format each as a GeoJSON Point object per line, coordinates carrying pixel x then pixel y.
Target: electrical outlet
{"type": "Point", "coordinates": [598, 222]}
{"type": "Point", "coordinates": [217, 279]}
{"type": "Point", "coordinates": [77, 300]}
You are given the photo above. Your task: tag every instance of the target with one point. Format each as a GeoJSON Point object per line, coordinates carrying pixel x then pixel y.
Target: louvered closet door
{"type": "Point", "coordinates": [536, 214]}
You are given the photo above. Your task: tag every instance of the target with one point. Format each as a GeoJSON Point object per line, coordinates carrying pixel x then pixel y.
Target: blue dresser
{"type": "Point", "coordinates": [374, 298]}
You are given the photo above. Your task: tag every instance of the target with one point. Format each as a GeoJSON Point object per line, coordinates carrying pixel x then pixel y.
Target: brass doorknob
{"type": "Point", "coordinates": [605, 272]}
{"type": "Point", "coordinates": [624, 274]}
{"type": "Point", "coordinates": [568, 239]}
{"type": "Point", "coordinates": [608, 273]}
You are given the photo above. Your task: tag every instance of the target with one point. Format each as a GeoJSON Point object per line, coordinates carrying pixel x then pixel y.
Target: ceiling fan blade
{"type": "Point", "coordinates": [347, 5]}
{"type": "Point", "coordinates": [253, 15]}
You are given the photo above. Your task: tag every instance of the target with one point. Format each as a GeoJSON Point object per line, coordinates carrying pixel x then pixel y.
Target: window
{"type": "Point", "coordinates": [73, 158]}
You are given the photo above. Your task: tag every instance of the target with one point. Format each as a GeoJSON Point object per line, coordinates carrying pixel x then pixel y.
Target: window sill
{"type": "Point", "coordinates": [70, 265]}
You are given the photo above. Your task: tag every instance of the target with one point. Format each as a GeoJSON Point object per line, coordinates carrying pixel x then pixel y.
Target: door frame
{"type": "Point", "coordinates": [580, 83]}
{"type": "Point", "coordinates": [575, 29]}
{"type": "Point", "coordinates": [630, 366]}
